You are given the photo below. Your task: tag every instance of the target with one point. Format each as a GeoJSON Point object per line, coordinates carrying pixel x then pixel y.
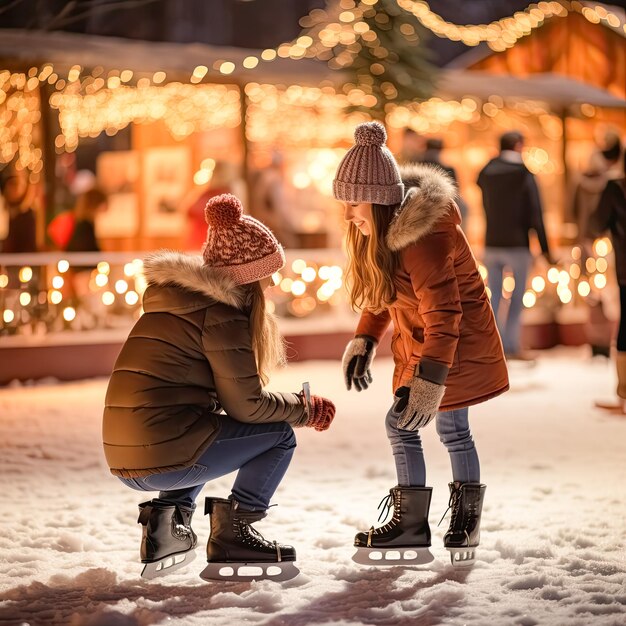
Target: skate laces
{"type": "Point", "coordinates": [385, 504]}
{"type": "Point", "coordinates": [455, 496]}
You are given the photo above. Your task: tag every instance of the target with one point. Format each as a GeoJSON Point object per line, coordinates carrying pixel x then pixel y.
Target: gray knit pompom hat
{"type": "Point", "coordinates": [368, 172]}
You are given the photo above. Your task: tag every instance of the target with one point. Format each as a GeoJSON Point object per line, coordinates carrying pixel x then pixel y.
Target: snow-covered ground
{"type": "Point", "coordinates": [553, 524]}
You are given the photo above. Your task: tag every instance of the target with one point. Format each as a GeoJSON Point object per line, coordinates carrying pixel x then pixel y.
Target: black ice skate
{"type": "Point", "coordinates": [167, 540]}
{"type": "Point", "coordinates": [238, 552]}
{"type": "Point", "coordinates": [405, 538]}
{"type": "Point", "coordinates": [463, 536]}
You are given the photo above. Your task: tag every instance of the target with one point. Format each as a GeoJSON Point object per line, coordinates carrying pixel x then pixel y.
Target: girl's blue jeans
{"type": "Point", "coordinates": [453, 430]}
{"type": "Point", "coordinates": [261, 453]}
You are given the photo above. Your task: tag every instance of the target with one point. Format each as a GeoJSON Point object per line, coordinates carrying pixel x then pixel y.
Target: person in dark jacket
{"type": "Point", "coordinates": [512, 208]}
{"type": "Point", "coordinates": [88, 205]}
{"type": "Point", "coordinates": [611, 215]}
{"type": "Point", "coordinates": [185, 403]}
{"type": "Point", "coordinates": [21, 236]}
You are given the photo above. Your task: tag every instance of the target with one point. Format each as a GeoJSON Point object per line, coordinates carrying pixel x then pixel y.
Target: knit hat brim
{"type": "Point", "coordinates": [377, 194]}
{"type": "Point", "coordinates": [256, 270]}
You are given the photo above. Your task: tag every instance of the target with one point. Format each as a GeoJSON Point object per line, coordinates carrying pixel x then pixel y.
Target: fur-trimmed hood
{"type": "Point", "coordinates": [430, 197]}
{"type": "Point", "coordinates": [167, 268]}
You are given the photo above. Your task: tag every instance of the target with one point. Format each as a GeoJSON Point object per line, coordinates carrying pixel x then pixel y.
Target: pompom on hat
{"type": "Point", "coordinates": [238, 244]}
{"type": "Point", "coordinates": [368, 172]}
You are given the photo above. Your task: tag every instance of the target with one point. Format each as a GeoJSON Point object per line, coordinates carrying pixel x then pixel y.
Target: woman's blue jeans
{"type": "Point", "coordinates": [453, 430]}
{"type": "Point", "coordinates": [261, 453]}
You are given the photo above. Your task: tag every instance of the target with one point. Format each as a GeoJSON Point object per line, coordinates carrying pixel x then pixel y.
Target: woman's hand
{"type": "Point", "coordinates": [357, 360]}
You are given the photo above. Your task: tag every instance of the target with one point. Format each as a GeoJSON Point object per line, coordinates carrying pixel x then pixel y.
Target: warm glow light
{"type": "Point", "coordinates": [564, 278]}
{"type": "Point", "coordinates": [529, 299]}
{"type": "Point", "coordinates": [574, 271]}
{"type": "Point", "coordinates": [25, 298]}
{"type": "Point", "coordinates": [584, 289]}
{"type": "Point", "coordinates": [602, 265]}
{"type": "Point", "coordinates": [250, 62]}
{"type": "Point", "coordinates": [121, 286]}
{"type": "Point", "coordinates": [69, 313]}
{"type": "Point", "coordinates": [101, 280]}
{"type": "Point", "coordinates": [565, 296]}
{"type": "Point", "coordinates": [104, 267]}
{"type": "Point", "coordinates": [108, 298]}
{"type": "Point", "coordinates": [286, 284]}
{"type": "Point", "coordinates": [130, 269]}
{"type": "Point", "coordinates": [202, 177]}
{"type": "Point", "coordinates": [55, 297]}
{"type": "Point", "coordinates": [324, 272]}
{"type": "Point", "coordinates": [58, 282]}
{"type": "Point", "coordinates": [599, 280]}
{"type": "Point", "coordinates": [8, 316]}
{"type": "Point", "coordinates": [538, 284]}
{"type": "Point", "coordinates": [553, 275]}
{"type": "Point", "coordinates": [483, 271]}
{"type": "Point", "coordinates": [508, 284]}
{"type": "Point", "coordinates": [131, 298]}
{"type": "Point", "coordinates": [308, 274]}
{"type": "Point", "coordinates": [25, 274]}
{"type": "Point", "coordinates": [227, 67]}
{"type": "Point", "coordinates": [4, 281]}
{"type": "Point", "coordinates": [298, 266]}
{"type": "Point", "coordinates": [298, 288]}
{"type": "Point", "coordinates": [602, 246]}
{"type": "Point", "coordinates": [590, 265]}
{"type": "Point", "coordinates": [63, 266]}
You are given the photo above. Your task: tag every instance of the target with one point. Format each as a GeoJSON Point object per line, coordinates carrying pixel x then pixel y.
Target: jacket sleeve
{"type": "Point", "coordinates": [228, 348]}
{"type": "Point", "coordinates": [600, 220]}
{"type": "Point", "coordinates": [536, 213]}
{"type": "Point", "coordinates": [430, 264]}
{"type": "Point", "coordinates": [373, 324]}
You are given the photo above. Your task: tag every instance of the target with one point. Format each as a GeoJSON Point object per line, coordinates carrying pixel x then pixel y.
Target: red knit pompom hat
{"type": "Point", "coordinates": [237, 244]}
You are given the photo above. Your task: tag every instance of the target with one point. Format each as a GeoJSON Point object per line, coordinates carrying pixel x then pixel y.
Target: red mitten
{"type": "Point", "coordinates": [321, 413]}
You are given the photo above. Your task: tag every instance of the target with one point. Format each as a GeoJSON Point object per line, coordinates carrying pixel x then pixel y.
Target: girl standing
{"type": "Point", "coordinates": [185, 403]}
{"type": "Point", "coordinates": [410, 263]}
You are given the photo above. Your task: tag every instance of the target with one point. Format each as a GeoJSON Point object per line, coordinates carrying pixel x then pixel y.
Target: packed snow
{"type": "Point", "coordinates": [552, 548]}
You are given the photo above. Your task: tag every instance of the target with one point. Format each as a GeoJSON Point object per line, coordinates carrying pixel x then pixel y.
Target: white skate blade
{"type": "Point", "coordinates": [167, 565]}
{"type": "Point", "coordinates": [462, 557]}
{"type": "Point", "coordinates": [280, 571]}
{"type": "Point", "coordinates": [392, 556]}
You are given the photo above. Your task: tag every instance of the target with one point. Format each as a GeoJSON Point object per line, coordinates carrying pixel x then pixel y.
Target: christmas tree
{"type": "Point", "coordinates": [379, 46]}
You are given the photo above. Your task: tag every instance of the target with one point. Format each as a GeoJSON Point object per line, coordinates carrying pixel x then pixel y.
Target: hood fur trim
{"type": "Point", "coordinates": [169, 268]}
{"type": "Point", "coordinates": [430, 192]}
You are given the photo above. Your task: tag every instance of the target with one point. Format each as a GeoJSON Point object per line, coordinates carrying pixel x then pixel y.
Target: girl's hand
{"type": "Point", "coordinates": [424, 398]}
{"type": "Point", "coordinates": [357, 360]}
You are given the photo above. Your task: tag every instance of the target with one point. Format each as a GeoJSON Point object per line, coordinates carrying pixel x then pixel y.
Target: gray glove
{"type": "Point", "coordinates": [420, 402]}
{"type": "Point", "coordinates": [357, 360]}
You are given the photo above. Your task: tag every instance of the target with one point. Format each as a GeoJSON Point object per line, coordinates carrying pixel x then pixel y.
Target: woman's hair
{"type": "Point", "coordinates": [267, 343]}
{"type": "Point", "coordinates": [371, 264]}
{"type": "Point", "coordinates": [88, 203]}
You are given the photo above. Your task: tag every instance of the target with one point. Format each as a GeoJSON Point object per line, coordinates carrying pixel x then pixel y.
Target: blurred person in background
{"type": "Point", "coordinates": [224, 179]}
{"type": "Point", "coordinates": [18, 196]}
{"type": "Point", "coordinates": [611, 215]}
{"type": "Point", "coordinates": [432, 156]}
{"type": "Point", "coordinates": [512, 208]}
{"type": "Point", "coordinates": [412, 149]}
{"type": "Point", "coordinates": [604, 165]}
{"type": "Point", "coordinates": [83, 237]}
{"type": "Point", "coordinates": [269, 204]}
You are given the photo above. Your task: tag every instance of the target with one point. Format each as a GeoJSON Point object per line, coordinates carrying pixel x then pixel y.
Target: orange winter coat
{"type": "Point", "coordinates": [444, 328]}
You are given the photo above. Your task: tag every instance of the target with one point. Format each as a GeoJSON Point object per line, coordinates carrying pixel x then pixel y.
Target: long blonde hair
{"type": "Point", "coordinates": [371, 264]}
{"type": "Point", "coordinates": [267, 342]}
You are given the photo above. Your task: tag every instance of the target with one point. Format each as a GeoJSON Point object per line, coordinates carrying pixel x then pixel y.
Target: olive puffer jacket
{"type": "Point", "coordinates": [444, 328]}
{"type": "Point", "coordinates": [188, 357]}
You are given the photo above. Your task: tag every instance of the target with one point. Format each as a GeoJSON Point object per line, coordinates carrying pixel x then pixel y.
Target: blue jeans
{"type": "Point", "coordinates": [261, 453]}
{"type": "Point", "coordinates": [454, 433]}
{"type": "Point", "coordinates": [518, 260]}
